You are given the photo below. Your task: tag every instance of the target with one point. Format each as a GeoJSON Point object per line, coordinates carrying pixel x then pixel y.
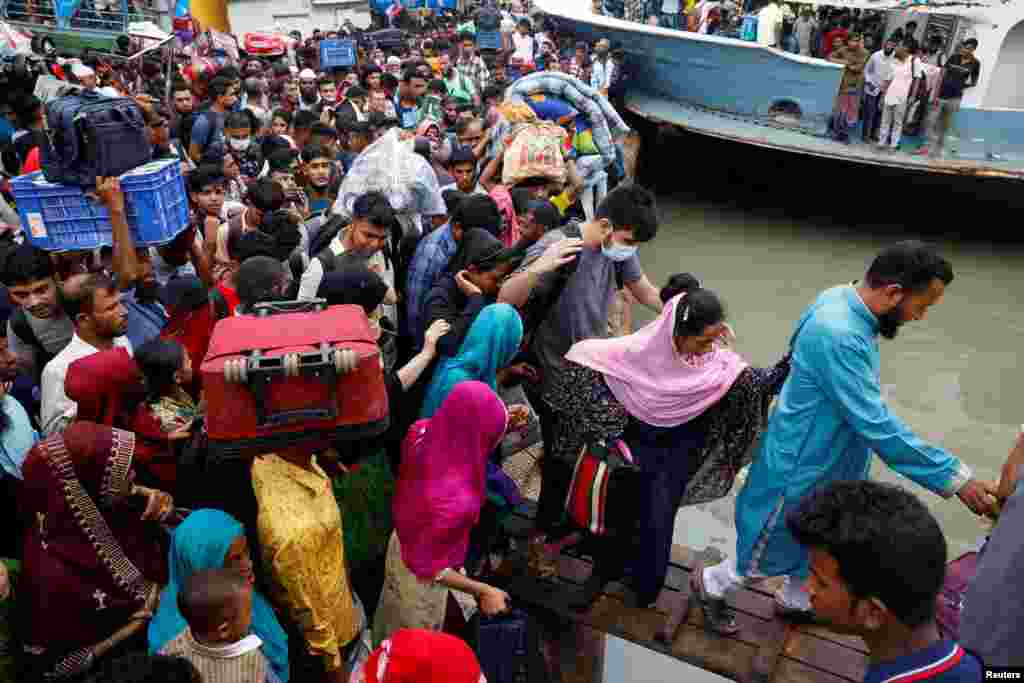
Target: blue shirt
{"type": "Point", "coordinates": [431, 257]}
{"type": "Point", "coordinates": [408, 117]}
{"type": "Point", "coordinates": [943, 662]}
{"type": "Point", "coordinates": [145, 319]}
{"type": "Point", "coordinates": [208, 129]}
{"type": "Point", "coordinates": [18, 439]}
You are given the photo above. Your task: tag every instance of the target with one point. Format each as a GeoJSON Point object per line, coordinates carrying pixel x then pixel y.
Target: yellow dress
{"type": "Point", "coordinates": [304, 552]}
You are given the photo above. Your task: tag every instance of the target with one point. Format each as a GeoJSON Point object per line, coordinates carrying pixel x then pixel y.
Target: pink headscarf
{"type": "Point", "coordinates": [510, 234]}
{"type": "Point", "coordinates": [648, 376]}
{"type": "Point", "coordinates": [442, 479]}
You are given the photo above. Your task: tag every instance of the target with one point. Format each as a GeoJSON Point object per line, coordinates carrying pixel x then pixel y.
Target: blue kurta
{"type": "Point", "coordinates": [829, 417]}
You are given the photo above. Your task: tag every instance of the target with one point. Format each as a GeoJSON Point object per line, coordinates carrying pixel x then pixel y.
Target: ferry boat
{"type": "Point", "coordinates": [744, 92]}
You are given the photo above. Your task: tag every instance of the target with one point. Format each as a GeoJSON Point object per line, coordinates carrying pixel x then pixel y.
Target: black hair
{"type": "Point", "coordinates": [214, 156]}
{"type": "Point", "coordinates": [282, 159]}
{"type": "Point", "coordinates": [265, 195]}
{"type": "Point", "coordinates": [461, 155]}
{"type": "Point", "coordinates": [204, 176]}
{"type": "Point", "coordinates": [323, 130]}
{"type": "Point", "coordinates": [140, 667]}
{"type": "Point", "coordinates": [283, 227]}
{"type": "Point", "coordinates": [697, 311]}
{"type": "Point", "coordinates": [388, 81]}
{"type": "Point", "coordinates": [633, 207]}
{"type": "Point", "coordinates": [158, 359]}
{"type": "Point", "coordinates": [521, 198]}
{"type": "Point", "coordinates": [250, 244]}
{"type": "Point", "coordinates": [452, 198]}
{"type": "Point", "coordinates": [325, 80]}
{"type": "Point", "coordinates": [258, 279]}
{"type": "Point", "coordinates": [238, 119]}
{"type": "Point", "coordinates": [26, 264]}
{"type": "Point", "coordinates": [544, 214]}
{"type": "Point", "coordinates": [478, 211]}
{"type": "Point", "coordinates": [313, 151]}
{"type": "Point", "coordinates": [677, 284]}
{"type": "Point", "coordinates": [304, 119]}
{"type": "Point", "coordinates": [282, 114]}
{"type": "Point", "coordinates": [885, 541]}
{"type": "Point", "coordinates": [437, 85]}
{"type": "Point", "coordinates": [230, 72]}
{"type": "Point", "coordinates": [410, 74]}
{"type": "Point", "coordinates": [206, 595]}
{"type": "Point", "coordinates": [911, 264]}
{"type": "Point", "coordinates": [493, 92]}
{"type": "Point", "coordinates": [26, 109]}
{"type": "Point", "coordinates": [180, 85]}
{"type": "Point", "coordinates": [466, 35]}
{"type": "Point", "coordinates": [78, 300]}
{"type": "Point", "coordinates": [219, 87]}
{"type": "Point", "coordinates": [374, 207]}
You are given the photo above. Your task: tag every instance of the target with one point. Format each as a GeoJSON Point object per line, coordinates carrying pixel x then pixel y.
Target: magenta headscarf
{"type": "Point", "coordinates": [442, 479]}
{"type": "Point", "coordinates": [649, 377]}
{"type": "Point", "coordinates": [510, 233]}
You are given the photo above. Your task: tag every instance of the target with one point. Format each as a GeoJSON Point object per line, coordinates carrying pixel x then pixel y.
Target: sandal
{"type": "Point", "coordinates": [718, 616]}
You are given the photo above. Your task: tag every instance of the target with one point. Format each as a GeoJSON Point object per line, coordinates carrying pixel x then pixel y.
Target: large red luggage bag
{"type": "Point", "coordinates": [278, 377]}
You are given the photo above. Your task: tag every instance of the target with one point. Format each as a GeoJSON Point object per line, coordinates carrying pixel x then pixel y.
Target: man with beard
{"type": "Point", "coordinates": [133, 269]}
{"type": "Point", "coordinates": [829, 418]}
{"type": "Point", "coordinates": [877, 73]}
{"type": "Point", "coordinates": [93, 303]}
{"type": "Point", "coordinates": [317, 161]}
{"type": "Point", "coordinates": [309, 96]}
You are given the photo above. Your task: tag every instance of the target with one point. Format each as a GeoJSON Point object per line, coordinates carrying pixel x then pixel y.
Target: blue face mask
{"type": "Point", "coordinates": [618, 252]}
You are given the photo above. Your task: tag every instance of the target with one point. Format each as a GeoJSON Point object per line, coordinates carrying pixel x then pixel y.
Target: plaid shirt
{"type": "Point", "coordinates": [476, 71]}
{"type": "Point", "coordinates": [431, 257]}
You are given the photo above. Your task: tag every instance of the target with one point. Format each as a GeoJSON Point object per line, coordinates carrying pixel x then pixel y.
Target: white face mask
{"type": "Point", "coordinates": [618, 252]}
{"type": "Point", "coordinates": [240, 144]}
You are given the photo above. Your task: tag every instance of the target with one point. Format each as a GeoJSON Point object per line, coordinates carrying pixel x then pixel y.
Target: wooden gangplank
{"type": "Point", "coordinates": [766, 649]}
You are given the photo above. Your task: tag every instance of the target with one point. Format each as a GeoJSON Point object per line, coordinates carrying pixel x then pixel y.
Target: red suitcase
{"type": "Point", "coordinates": [274, 377]}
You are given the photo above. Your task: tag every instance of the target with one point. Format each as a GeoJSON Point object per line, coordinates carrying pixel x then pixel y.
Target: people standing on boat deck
{"type": "Point", "coordinates": [829, 417]}
{"type": "Point", "coordinates": [710, 16]}
{"type": "Point", "coordinates": [689, 408]}
{"type": "Point", "coordinates": [670, 14]}
{"type": "Point", "coordinates": [854, 57]}
{"type": "Point", "coordinates": [804, 29]}
{"type": "Point", "coordinates": [962, 71]}
{"type": "Point", "coordinates": [897, 95]}
{"type": "Point", "coordinates": [877, 74]}
{"type": "Point", "coordinates": [769, 24]}
{"type": "Point", "coordinates": [602, 67]}
{"type": "Point", "coordinates": [840, 31]}
{"type": "Point", "coordinates": [877, 564]}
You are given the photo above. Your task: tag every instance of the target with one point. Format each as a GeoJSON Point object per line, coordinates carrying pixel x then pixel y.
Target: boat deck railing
{"type": "Point", "coordinates": [92, 16]}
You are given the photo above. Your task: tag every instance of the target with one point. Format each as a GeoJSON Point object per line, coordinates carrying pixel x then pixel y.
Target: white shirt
{"type": "Point", "coordinates": [314, 274]}
{"type": "Point", "coordinates": [705, 7]}
{"type": "Point", "coordinates": [524, 47]}
{"type": "Point", "coordinates": [57, 410]}
{"type": "Point", "coordinates": [877, 72]}
{"type": "Point", "coordinates": [601, 74]}
{"type": "Point", "coordinates": [478, 190]}
{"type": "Point", "coordinates": [769, 25]}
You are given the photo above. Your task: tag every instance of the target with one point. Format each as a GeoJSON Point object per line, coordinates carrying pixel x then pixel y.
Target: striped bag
{"type": "Point", "coordinates": [605, 488]}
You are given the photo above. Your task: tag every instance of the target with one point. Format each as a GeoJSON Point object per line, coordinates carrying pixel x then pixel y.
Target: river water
{"type": "Point", "coordinates": [769, 230]}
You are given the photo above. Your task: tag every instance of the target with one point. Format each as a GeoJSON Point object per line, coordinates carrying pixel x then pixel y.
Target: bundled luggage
{"type": "Point", "coordinates": [90, 135]}
{"type": "Point", "coordinates": [289, 372]}
{"type": "Point", "coordinates": [508, 647]}
{"type": "Point", "coordinates": [536, 151]}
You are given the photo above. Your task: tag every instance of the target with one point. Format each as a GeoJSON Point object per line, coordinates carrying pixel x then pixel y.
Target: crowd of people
{"type": "Point", "coordinates": [893, 84]}
{"type": "Point", "coordinates": [497, 308]}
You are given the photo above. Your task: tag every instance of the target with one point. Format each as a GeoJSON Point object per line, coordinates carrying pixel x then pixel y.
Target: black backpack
{"type": "Point", "coordinates": [90, 136]}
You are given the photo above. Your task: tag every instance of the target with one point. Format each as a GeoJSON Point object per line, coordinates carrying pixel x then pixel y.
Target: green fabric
{"type": "Point", "coordinates": [8, 613]}
{"type": "Point", "coordinates": [364, 497]}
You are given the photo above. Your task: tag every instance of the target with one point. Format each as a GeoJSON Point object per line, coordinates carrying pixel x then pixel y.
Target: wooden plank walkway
{"type": "Point", "coordinates": [766, 648]}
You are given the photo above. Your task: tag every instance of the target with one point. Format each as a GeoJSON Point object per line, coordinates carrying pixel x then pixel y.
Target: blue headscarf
{"type": "Point", "coordinates": [198, 544]}
{"type": "Point", "coordinates": [491, 344]}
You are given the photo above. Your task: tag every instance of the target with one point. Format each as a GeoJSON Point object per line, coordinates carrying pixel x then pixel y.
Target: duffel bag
{"type": "Point", "coordinates": [536, 151]}
{"type": "Point", "coordinates": [89, 135]}
{"type": "Point", "coordinates": [292, 372]}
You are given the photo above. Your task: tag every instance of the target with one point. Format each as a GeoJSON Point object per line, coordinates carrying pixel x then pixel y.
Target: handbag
{"type": "Point", "coordinates": [605, 487]}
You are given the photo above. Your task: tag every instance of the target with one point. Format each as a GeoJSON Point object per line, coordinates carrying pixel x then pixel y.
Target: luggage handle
{"type": "Point", "coordinates": [257, 371]}
{"type": "Point", "coordinates": [265, 308]}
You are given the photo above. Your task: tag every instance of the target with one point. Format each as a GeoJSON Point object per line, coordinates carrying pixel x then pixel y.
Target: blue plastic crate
{"type": "Point", "coordinates": [488, 40]}
{"type": "Point", "coordinates": [337, 52]}
{"type": "Point", "coordinates": [62, 218]}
